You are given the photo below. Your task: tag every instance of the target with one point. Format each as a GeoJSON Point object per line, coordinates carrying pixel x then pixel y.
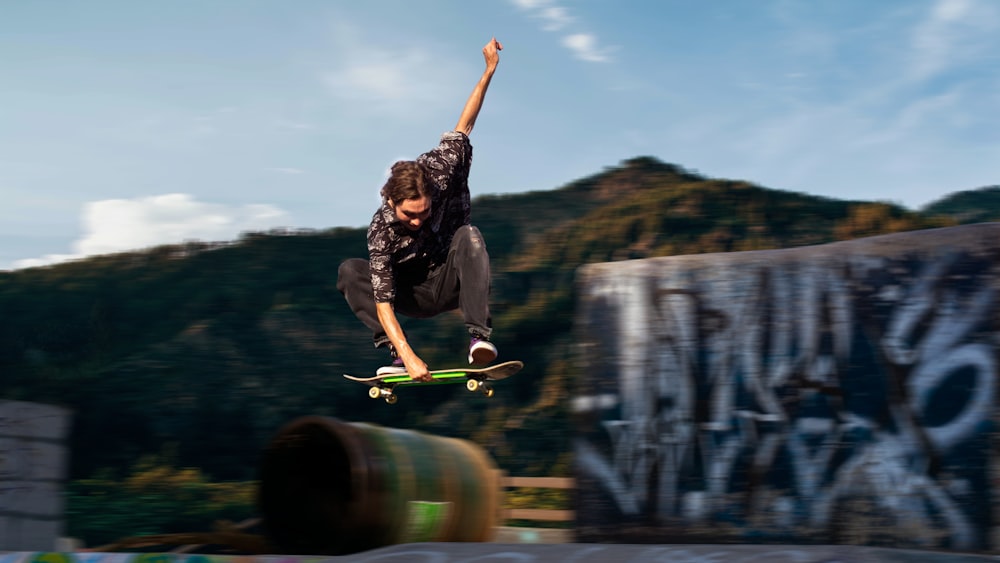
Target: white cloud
{"type": "Point", "coordinates": [584, 46]}
{"type": "Point", "coordinates": [376, 75]}
{"type": "Point", "coordinates": [396, 79]}
{"type": "Point", "coordinates": [555, 17]}
{"type": "Point", "coordinates": [117, 225]}
{"type": "Point", "coordinates": [295, 125]}
{"type": "Point", "coordinates": [955, 32]}
{"type": "Point", "coordinates": [285, 170]}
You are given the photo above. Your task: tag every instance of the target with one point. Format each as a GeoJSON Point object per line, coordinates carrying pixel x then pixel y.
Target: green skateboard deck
{"type": "Point", "coordinates": [475, 379]}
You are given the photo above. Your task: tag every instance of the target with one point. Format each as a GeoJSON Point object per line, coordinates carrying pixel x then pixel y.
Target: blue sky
{"type": "Point", "coordinates": [128, 124]}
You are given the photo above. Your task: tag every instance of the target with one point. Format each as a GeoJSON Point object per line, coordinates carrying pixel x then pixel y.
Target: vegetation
{"type": "Point", "coordinates": [973, 206]}
{"type": "Point", "coordinates": [154, 498]}
{"type": "Point", "coordinates": [205, 350]}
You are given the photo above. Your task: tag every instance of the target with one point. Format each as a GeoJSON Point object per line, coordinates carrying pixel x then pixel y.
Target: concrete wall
{"type": "Point", "coordinates": [33, 464]}
{"type": "Point", "coordinates": [839, 393]}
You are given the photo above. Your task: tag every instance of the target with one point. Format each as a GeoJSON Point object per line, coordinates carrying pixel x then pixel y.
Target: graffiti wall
{"type": "Point", "coordinates": [32, 470]}
{"type": "Point", "coordinates": [841, 393]}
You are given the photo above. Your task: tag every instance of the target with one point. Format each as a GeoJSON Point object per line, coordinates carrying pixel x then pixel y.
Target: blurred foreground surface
{"type": "Point", "coordinates": [579, 553]}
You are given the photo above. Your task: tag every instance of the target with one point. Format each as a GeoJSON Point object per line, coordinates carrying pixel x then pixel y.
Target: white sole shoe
{"type": "Point", "coordinates": [482, 353]}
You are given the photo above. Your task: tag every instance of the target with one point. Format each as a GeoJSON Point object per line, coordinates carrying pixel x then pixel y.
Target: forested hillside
{"type": "Point", "coordinates": [972, 206]}
{"type": "Point", "coordinates": [198, 352]}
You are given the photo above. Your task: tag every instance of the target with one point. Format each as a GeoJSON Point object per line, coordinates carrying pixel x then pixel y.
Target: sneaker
{"type": "Point", "coordinates": [395, 368]}
{"type": "Point", "coordinates": [481, 351]}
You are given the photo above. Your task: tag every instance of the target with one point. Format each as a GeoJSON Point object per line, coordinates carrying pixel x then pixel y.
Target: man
{"type": "Point", "coordinates": [424, 256]}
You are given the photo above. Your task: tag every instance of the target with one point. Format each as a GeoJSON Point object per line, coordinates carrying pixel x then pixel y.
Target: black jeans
{"type": "Point", "coordinates": [462, 282]}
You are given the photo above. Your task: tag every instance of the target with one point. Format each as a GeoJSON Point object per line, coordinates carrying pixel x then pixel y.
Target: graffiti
{"type": "Point", "coordinates": [776, 394]}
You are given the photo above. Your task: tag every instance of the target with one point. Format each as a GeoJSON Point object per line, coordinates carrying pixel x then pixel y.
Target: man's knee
{"type": "Point", "coordinates": [350, 272]}
{"type": "Point", "coordinates": [470, 240]}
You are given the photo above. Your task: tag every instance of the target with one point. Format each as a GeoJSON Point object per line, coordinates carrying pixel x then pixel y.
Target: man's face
{"type": "Point", "coordinates": [413, 212]}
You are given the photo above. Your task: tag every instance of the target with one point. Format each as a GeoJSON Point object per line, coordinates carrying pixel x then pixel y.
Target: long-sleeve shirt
{"type": "Point", "coordinates": [393, 250]}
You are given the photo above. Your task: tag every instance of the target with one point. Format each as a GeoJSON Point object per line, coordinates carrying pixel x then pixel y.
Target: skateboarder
{"type": "Point", "coordinates": [424, 256]}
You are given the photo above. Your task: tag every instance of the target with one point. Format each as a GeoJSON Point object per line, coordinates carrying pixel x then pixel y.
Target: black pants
{"type": "Point", "coordinates": [462, 282]}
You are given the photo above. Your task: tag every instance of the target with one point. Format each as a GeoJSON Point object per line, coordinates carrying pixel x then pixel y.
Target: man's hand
{"type": "Point", "coordinates": [491, 52]}
{"type": "Point", "coordinates": [416, 367]}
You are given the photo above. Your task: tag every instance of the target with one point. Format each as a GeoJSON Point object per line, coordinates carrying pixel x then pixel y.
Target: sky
{"type": "Point", "coordinates": [127, 124]}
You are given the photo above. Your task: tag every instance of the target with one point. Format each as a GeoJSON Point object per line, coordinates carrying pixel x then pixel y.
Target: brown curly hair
{"type": "Point", "coordinates": [408, 180]}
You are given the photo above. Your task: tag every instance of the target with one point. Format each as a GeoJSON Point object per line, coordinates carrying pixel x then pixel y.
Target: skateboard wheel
{"type": "Point", "coordinates": [488, 391]}
{"type": "Point", "coordinates": [472, 385]}
{"type": "Point", "coordinates": [374, 392]}
{"type": "Point", "coordinates": [391, 399]}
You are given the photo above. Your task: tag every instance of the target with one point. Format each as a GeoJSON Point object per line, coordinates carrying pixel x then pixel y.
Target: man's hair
{"type": "Point", "coordinates": [408, 180]}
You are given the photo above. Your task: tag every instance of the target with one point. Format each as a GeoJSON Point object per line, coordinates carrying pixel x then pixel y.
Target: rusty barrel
{"type": "Point", "coordinates": [329, 487]}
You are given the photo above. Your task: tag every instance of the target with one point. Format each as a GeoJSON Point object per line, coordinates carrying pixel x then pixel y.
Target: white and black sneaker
{"type": "Point", "coordinates": [481, 351]}
{"type": "Point", "coordinates": [395, 368]}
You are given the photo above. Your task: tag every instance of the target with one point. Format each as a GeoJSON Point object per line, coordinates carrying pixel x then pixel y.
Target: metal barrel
{"type": "Point", "coordinates": [329, 487]}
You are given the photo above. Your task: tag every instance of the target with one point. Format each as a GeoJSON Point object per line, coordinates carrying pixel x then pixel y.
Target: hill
{"type": "Point", "coordinates": [199, 352]}
{"type": "Point", "coordinates": [972, 206]}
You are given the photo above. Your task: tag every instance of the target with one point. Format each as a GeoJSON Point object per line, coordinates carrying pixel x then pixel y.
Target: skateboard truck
{"type": "Point", "coordinates": [383, 393]}
{"type": "Point", "coordinates": [474, 385]}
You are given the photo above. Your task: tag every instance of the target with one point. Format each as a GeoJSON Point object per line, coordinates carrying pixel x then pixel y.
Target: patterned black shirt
{"type": "Point", "coordinates": [393, 250]}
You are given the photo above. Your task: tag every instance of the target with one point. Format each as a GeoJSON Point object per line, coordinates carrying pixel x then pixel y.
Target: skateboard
{"type": "Point", "coordinates": [475, 379]}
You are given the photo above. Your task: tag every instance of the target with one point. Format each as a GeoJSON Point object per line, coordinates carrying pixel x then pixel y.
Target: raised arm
{"type": "Point", "coordinates": [491, 52]}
